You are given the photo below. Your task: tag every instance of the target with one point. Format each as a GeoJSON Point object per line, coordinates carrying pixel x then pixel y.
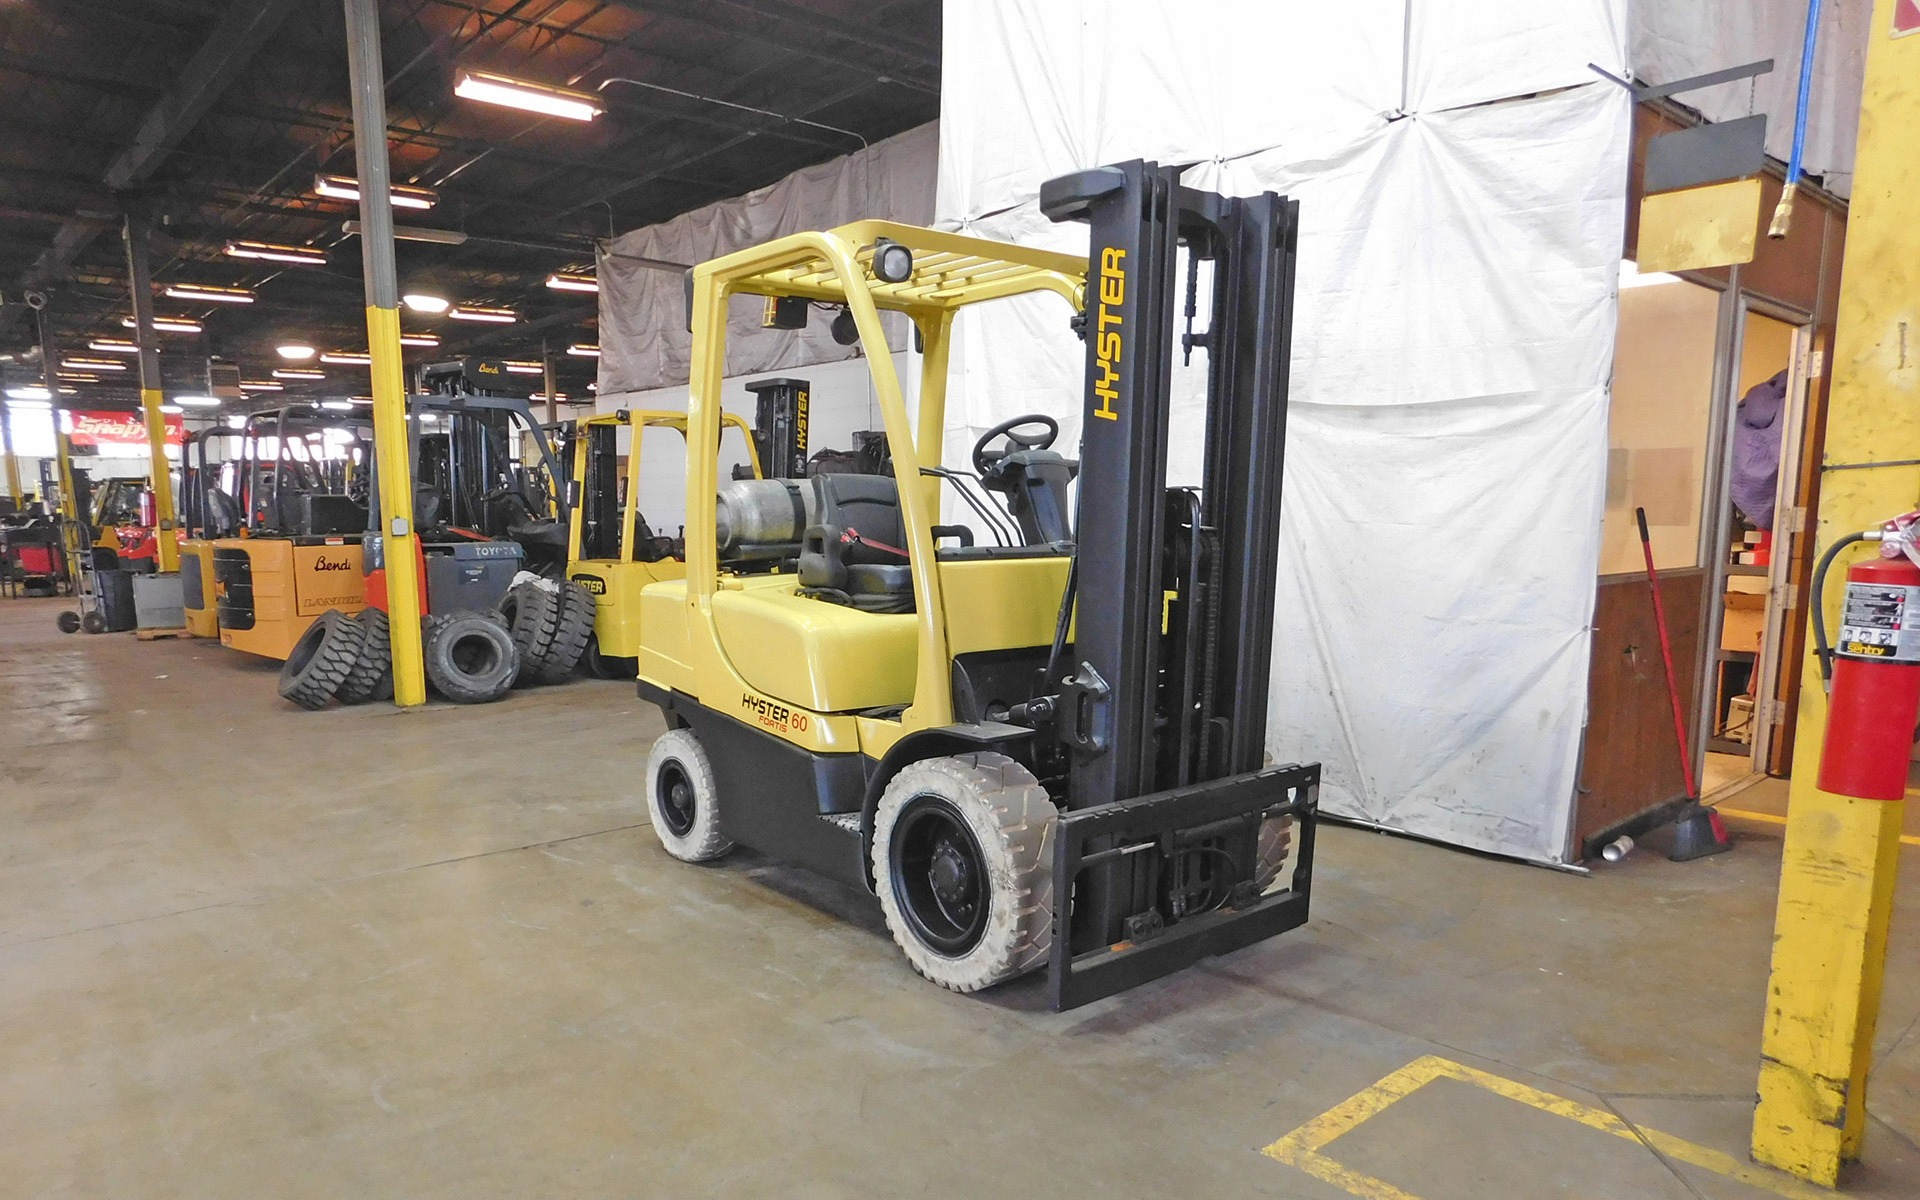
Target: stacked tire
{"type": "Point", "coordinates": [550, 625]}
{"type": "Point", "coordinates": [321, 659]}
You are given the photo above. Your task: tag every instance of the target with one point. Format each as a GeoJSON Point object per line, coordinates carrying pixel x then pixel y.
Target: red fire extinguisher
{"type": "Point", "coordinates": [1872, 668]}
{"type": "Point", "coordinates": [149, 510]}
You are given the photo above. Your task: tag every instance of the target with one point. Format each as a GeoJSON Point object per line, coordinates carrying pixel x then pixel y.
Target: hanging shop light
{"type": "Point", "coordinates": [301, 256]}
{"type": "Point", "coordinates": [298, 373]}
{"type": "Point", "coordinates": [419, 339]}
{"type": "Point", "coordinates": [212, 293]}
{"type": "Point", "coordinates": [197, 401]}
{"type": "Point", "coordinates": [168, 324]}
{"type": "Point", "coordinates": [521, 366]}
{"type": "Point", "coordinates": [294, 351]}
{"type": "Point", "coordinates": [261, 385]}
{"type": "Point", "coordinates": [93, 364]}
{"type": "Point", "coordinates": [347, 358]}
{"type": "Point", "coordinates": [562, 282]}
{"type": "Point", "coordinates": [490, 316]}
{"type": "Point", "coordinates": [426, 302]}
{"type": "Point", "coordinates": [107, 345]}
{"type": "Point", "coordinates": [400, 195]}
{"type": "Point", "coordinates": [584, 350]}
{"type": "Point", "coordinates": [489, 88]}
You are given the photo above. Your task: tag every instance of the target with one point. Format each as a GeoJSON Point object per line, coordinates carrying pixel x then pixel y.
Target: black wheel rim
{"type": "Point", "coordinates": [939, 875]}
{"type": "Point", "coordinates": [674, 791]}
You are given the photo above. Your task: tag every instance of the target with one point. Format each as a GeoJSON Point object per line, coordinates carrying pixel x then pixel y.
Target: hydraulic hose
{"type": "Point", "coordinates": [1822, 650]}
{"type": "Point", "coordinates": [1783, 212]}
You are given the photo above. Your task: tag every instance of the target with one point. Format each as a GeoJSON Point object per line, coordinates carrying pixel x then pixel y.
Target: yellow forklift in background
{"type": "Point", "coordinates": [303, 484]}
{"type": "Point", "coordinates": [611, 550]}
{"type": "Point", "coordinates": [1041, 748]}
{"type": "Point", "coordinates": [208, 512]}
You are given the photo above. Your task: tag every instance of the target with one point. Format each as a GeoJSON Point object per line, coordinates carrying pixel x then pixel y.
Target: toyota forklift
{"type": "Point", "coordinates": [1040, 743]}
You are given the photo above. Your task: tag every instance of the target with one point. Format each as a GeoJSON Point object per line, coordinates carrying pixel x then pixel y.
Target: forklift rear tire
{"type": "Point", "coordinates": [571, 631]}
{"type": "Point", "coordinates": [321, 659]}
{"type": "Point", "coordinates": [471, 658]}
{"type": "Point", "coordinates": [608, 666]}
{"type": "Point", "coordinates": [683, 800]}
{"type": "Point", "coordinates": [371, 676]}
{"type": "Point", "coordinates": [962, 859]}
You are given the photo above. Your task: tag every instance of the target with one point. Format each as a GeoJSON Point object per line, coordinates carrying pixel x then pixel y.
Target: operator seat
{"type": "Point", "coordinates": [855, 554]}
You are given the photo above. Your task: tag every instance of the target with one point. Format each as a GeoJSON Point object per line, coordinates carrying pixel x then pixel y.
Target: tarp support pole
{"type": "Point", "coordinates": [401, 544]}
{"type": "Point", "coordinates": [1841, 854]}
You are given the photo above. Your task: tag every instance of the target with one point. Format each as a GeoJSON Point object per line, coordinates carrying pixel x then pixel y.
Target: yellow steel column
{"type": "Point", "coordinates": [1836, 883]}
{"type": "Point", "coordinates": [140, 286]}
{"type": "Point", "coordinates": [369, 83]}
{"type": "Point", "coordinates": [11, 460]}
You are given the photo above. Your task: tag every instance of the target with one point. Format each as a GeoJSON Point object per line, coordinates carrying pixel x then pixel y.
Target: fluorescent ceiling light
{"type": "Point", "coordinates": [543, 396]}
{"type": "Point", "coordinates": [414, 233]}
{"type": "Point", "coordinates": [491, 316]}
{"type": "Point", "coordinates": [29, 392]}
{"type": "Point", "coordinates": [346, 358]}
{"type": "Point", "coordinates": [210, 292]}
{"type": "Point", "coordinates": [523, 367]}
{"type": "Point", "coordinates": [489, 88]}
{"type": "Point", "coordinates": [297, 373]}
{"type": "Point", "coordinates": [400, 195]}
{"type": "Point", "coordinates": [108, 345]}
{"type": "Point", "coordinates": [261, 385]}
{"type": "Point", "coordinates": [426, 302]}
{"type": "Point", "coordinates": [75, 377]}
{"type": "Point", "coordinates": [303, 256]}
{"type": "Point", "coordinates": [294, 351]}
{"type": "Point", "coordinates": [168, 324]}
{"type": "Point", "coordinates": [1630, 276]}
{"type": "Point", "coordinates": [419, 339]}
{"type": "Point", "coordinates": [197, 401]}
{"type": "Point", "coordinates": [174, 409]}
{"type": "Point", "coordinates": [584, 350]}
{"type": "Point", "coordinates": [562, 282]}
{"type": "Point", "coordinates": [93, 364]}
{"type": "Point", "coordinates": [337, 405]}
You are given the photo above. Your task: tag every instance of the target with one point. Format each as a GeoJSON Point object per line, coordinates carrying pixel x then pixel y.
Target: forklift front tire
{"type": "Point", "coordinates": [682, 799]}
{"type": "Point", "coordinates": [963, 861]}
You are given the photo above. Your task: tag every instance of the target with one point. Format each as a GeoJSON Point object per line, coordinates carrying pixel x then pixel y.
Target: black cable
{"type": "Point", "coordinates": [1822, 651]}
{"type": "Point", "coordinates": [1001, 532]}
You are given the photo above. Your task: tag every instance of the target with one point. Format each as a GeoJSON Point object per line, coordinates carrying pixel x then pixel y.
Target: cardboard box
{"type": "Point", "coordinates": [1745, 621]}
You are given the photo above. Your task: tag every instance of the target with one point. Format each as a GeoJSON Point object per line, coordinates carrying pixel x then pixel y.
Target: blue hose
{"type": "Point", "coordinates": [1783, 214]}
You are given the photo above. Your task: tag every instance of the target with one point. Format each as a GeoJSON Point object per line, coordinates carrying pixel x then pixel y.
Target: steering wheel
{"type": "Point", "coordinates": [986, 459]}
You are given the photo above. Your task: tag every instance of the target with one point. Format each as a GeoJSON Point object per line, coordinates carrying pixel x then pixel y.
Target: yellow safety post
{"type": "Point", "coordinates": [1836, 883]}
{"type": "Point", "coordinates": [140, 284]}
{"type": "Point", "coordinates": [368, 81]}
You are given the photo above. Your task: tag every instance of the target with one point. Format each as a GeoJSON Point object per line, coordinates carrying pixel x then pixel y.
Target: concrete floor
{"type": "Point", "coordinates": [250, 951]}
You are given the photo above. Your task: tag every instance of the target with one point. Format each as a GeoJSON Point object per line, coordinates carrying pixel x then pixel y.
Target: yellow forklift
{"type": "Point", "coordinates": [612, 551]}
{"type": "Point", "coordinates": [208, 512]}
{"type": "Point", "coordinates": [303, 485]}
{"type": "Point", "coordinates": [1042, 746]}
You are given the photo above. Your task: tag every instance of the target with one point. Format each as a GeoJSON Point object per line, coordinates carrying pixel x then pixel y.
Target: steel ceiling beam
{"type": "Point", "coordinates": [239, 34]}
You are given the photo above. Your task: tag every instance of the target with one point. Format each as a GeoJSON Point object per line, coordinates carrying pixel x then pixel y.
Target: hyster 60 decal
{"type": "Point", "coordinates": [1107, 341]}
{"type": "Point", "coordinates": [774, 715]}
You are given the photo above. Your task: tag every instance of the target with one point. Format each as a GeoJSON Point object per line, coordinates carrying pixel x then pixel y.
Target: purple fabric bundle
{"type": "Point", "coordinates": [1756, 450]}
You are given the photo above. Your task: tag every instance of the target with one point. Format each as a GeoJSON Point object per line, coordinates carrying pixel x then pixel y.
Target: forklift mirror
{"type": "Point", "coordinates": [844, 330]}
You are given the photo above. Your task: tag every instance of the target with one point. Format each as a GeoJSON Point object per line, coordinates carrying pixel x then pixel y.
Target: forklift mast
{"type": "Point", "coordinates": [1163, 706]}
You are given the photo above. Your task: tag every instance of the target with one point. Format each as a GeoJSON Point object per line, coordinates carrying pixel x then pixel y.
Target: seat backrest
{"type": "Point", "coordinates": [869, 504]}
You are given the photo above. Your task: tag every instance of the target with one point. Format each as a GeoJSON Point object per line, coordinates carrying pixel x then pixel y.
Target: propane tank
{"type": "Point", "coordinates": [762, 513]}
{"type": "Point", "coordinates": [1875, 692]}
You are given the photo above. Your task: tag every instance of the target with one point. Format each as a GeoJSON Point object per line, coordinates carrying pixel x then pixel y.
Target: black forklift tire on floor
{"type": "Point", "coordinates": [575, 625]}
{"type": "Point", "coordinates": [69, 622]}
{"type": "Point", "coordinates": [321, 658]}
{"type": "Point", "coordinates": [608, 666]}
{"type": "Point", "coordinates": [990, 810]}
{"type": "Point", "coordinates": [1276, 842]}
{"type": "Point", "coordinates": [371, 673]}
{"type": "Point", "coordinates": [471, 658]}
{"type": "Point", "coordinates": [683, 800]}
{"type": "Point", "coordinates": [531, 613]}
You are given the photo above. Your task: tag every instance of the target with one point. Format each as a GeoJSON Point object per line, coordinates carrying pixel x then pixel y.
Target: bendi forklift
{"type": "Point", "coordinates": [1043, 747]}
{"type": "Point", "coordinates": [208, 512]}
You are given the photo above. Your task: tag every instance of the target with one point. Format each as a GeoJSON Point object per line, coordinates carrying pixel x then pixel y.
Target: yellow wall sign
{"type": "Point", "coordinates": [1694, 228]}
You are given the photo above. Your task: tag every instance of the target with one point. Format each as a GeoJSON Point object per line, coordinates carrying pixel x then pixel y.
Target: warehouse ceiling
{"type": "Point", "coordinates": [210, 120]}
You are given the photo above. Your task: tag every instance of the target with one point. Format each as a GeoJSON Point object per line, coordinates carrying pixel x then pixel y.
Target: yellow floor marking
{"type": "Point", "coordinates": [1302, 1148]}
{"type": "Point", "coordinates": [1777, 819]}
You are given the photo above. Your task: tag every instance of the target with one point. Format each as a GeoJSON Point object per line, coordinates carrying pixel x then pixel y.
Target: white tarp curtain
{"type": "Point", "coordinates": [1674, 39]}
{"type": "Point", "coordinates": [644, 341]}
{"type": "Point", "coordinates": [1462, 182]}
